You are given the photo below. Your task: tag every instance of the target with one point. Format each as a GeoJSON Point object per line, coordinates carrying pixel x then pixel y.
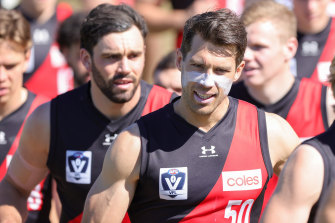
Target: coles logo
{"type": "Point", "coordinates": [242, 180]}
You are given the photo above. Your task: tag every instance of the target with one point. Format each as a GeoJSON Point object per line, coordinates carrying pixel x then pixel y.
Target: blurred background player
{"type": "Point", "coordinates": [316, 37]}
{"type": "Point", "coordinates": [69, 136]}
{"type": "Point", "coordinates": [68, 39]}
{"type": "Point", "coordinates": [166, 73]}
{"type": "Point", "coordinates": [306, 179]}
{"type": "Point", "coordinates": [16, 103]}
{"type": "Point", "coordinates": [46, 73]}
{"type": "Point", "coordinates": [267, 81]}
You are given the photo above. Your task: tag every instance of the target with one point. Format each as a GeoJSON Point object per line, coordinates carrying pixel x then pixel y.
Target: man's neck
{"type": "Point", "coordinates": [13, 103]}
{"type": "Point", "coordinates": [203, 122]}
{"type": "Point", "coordinates": [40, 17]}
{"type": "Point", "coordinates": [323, 22]}
{"type": "Point", "coordinates": [272, 91]}
{"type": "Point", "coordinates": [111, 109]}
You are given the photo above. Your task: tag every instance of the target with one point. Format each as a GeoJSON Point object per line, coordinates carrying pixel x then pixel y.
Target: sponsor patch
{"type": "Point", "coordinates": [173, 183]}
{"type": "Point", "coordinates": [78, 166]}
{"type": "Point", "coordinates": [242, 180]}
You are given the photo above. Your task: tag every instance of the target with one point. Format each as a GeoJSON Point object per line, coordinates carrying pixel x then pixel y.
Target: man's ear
{"type": "Point", "coordinates": [179, 59]}
{"type": "Point", "coordinates": [291, 47]}
{"type": "Point", "coordinates": [27, 55]}
{"type": "Point", "coordinates": [86, 59]}
{"type": "Point", "coordinates": [238, 72]}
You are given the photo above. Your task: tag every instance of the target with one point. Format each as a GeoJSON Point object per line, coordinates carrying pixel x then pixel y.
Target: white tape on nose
{"type": "Point", "coordinates": [207, 80]}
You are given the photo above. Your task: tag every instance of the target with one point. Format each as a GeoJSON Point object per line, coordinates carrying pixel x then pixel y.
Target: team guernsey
{"type": "Point", "coordinates": [304, 106]}
{"type": "Point", "coordinates": [80, 137]}
{"type": "Point", "coordinates": [325, 145]}
{"type": "Point", "coordinates": [315, 53]}
{"type": "Point", "coordinates": [48, 73]}
{"type": "Point", "coordinates": [10, 131]}
{"type": "Point", "coordinates": [188, 175]}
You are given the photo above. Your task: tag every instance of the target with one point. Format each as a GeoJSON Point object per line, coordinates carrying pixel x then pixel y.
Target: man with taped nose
{"type": "Point", "coordinates": [193, 168]}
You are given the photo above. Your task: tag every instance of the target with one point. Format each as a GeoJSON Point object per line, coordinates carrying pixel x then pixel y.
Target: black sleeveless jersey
{"type": "Point", "coordinates": [11, 124]}
{"type": "Point", "coordinates": [325, 145]}
{"type": "Point", "coordinates": [193, 176]}
{"type": "Point", "coordinates": [309, 51]}
{"type": "Point", "coordinates": [39, 201]}
{"type": "Point", "coordinates": [303, 106]}
{"type": "Point", "coordinates": [80, 137]}
{"type": "Point", "coordinates": [283, 106]}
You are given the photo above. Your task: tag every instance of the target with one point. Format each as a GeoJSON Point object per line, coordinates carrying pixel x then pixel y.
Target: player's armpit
{"type": "Point", "coordinates": [282, 140]}
{"type": "Point", "coordinates": [117, 182]}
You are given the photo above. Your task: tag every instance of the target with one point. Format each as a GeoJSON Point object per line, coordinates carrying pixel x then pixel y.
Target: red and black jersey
{"type": "Point", "coordinates": [80, 137]}
{"type": "Point", "coordinates": [304, 106]}
{"type": "Point", "coordinates": [48, 73]}
{"type": "Point", "coordinates": [315, 53]}
{"type": "Point", "coordinates": [325, 145]}
{"type": "Point", "coordinates": [10, 131]}
{"type": "Point", "coordinates": [188, 175]}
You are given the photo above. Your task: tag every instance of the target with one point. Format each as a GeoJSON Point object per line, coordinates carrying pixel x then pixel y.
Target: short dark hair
{"type": "Point", "coordinates": [167, 62]}
{"type": "Point", "coordinates": [69, 30]}
{"type": "Point", "coordinates": [107, 18]}
{"type": "Point", "coordinates": [222, 27]}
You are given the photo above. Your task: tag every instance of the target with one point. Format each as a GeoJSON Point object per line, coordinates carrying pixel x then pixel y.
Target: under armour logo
{"type": "Point", "coordinates": [109, 139]}
{"type": "Point", "coordinates": [310, 48]}
{"type": "Point", "coordinates": [204, 150]}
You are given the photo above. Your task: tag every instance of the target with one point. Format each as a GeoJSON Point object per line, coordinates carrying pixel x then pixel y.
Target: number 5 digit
{"type": "Point", "coordinates": [232, 213]}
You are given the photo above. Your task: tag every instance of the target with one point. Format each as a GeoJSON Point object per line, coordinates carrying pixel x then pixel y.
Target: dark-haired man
{"type": "Point", "coordinates": [70, 136]}
{"type": "Point", "coordinates": [213, 157]}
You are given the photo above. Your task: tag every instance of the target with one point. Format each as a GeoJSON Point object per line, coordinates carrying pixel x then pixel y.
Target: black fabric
{"type": "Point", "coordinates": [325, 145]}
{"type": "Point", "coordinates": [76, 125]}
{"type": "Point", "coordinates": [11, 124]}
{"type": "Point", "coordinates": [281, 108]}
{"type": "Point", "coordinates": [169, 141]}
{"type": "Point", "coordinates": [40, 48]}
{"type": "Point", "coordinates": [306, 63]}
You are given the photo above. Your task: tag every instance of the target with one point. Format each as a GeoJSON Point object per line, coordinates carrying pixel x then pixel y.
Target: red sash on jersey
{"type": "Point", "coordinates": [36, 102]}
{"type": "Point", "coordinates": [321, 70]}
{"type": "Point", "coordinates": [305, 115]}
{"type": "Point", "coordinates": [53, 76]}
{"type": "Point", "coordinates": [245, 154]}
{"type": "Point", "coordinates": [153, 103]}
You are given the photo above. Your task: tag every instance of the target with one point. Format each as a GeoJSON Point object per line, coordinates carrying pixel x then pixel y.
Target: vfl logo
{"type": "Point", "coordinates": [3, 140]}
{"type": "Point", "coordinates": [173, 183]}
{"type": "Point", "coordinates": [78, 166]}
{"type": "Point", "coordinates": [242, 180]}
{"type": "Point", "coordinates": [310, 48]}
{"type": "Point", "coordinates": [208, 152]}
{"type": "Point", "coordinates": [109, 139]}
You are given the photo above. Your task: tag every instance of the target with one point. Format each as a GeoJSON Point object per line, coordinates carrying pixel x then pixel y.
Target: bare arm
{"type": "Point", "coordinates": [298, 188]}
{"type": "Point", "coordinates": [282, 140]}
{"type": "Point", "coordinates": [28, 166]}
{"type": "Point", "coordinates": [112, 192]}
{"type": "Point", "coordinates": [326, 210]}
